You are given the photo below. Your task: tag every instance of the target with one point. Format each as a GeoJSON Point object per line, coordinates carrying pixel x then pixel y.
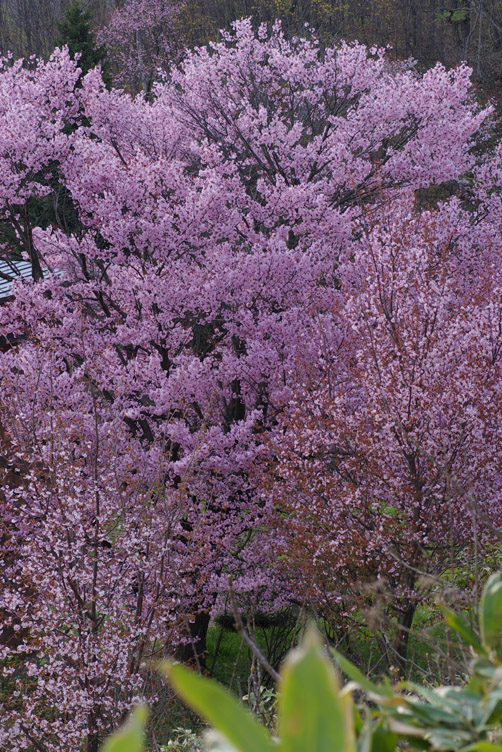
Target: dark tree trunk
{"type": "Point", "coordinates": [404, 624]}
{"type": "Point", "coordinates": [93, 742]}
{"type": "Point", "coordinates": [195, 651]}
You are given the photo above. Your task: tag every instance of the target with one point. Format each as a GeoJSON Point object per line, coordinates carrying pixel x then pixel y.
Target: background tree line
{"type": "Point", "coordinates": [427, 30]}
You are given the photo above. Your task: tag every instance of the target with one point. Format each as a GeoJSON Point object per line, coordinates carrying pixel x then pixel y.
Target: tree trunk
{"type": "Point", "coordinates": [404, 624]}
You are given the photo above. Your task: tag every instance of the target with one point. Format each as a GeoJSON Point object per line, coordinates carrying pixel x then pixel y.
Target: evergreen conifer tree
{"type": "Point", "coordinates": [74, 30]}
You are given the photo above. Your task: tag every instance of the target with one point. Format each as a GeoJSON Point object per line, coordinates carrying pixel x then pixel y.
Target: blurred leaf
{"type": "Point", "coordinates": [445, 739]}
{"type": "Point", "coordinates": [476, 686]}
{"type": "Point", "coordinates": [456, 701]}
{"type": "Point", "coordinates": [462, 628]}
{"type": "Point", "coordinates": [313, 715]}
{"type": "Point", "coordinates": [429, 714]}
{"type": "Point", "coordinates": [131, 737]}
{"type": "Point", "coordinates": [219, 708]}
{"type": "Point", "coordinates": [357, 720]}
{"type": "Point", "coordinates": [384, 740]}
{"type": "Point", "coordinates": [493, 707]}
{"type": "Point", "coordinates": [483, 667]}
{"type": "Point", "coordinates": [364, 740]}
{"type": "Point", "coordinates": [490, 613]}
{"type": "Point", "coordinates": [217, 742]}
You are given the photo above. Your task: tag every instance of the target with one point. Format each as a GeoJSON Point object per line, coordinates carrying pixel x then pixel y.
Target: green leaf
{"type": "Point", "coordinates": [359, 678]}
{"type": "Point", "coordinates": [457, 701]}
{"type": "Point", "coordinates": [490, 614]}
{"type": "Point", "coordinates": [469, 704]}
{"type": "Point", "coordinates": [459, 15]}
{"type": "Point", "coordinates": [430, 715]}
{"type": "Point", "coordinates": [483, 667]}
{"type": "Point", "coordinates": [216, 742]}
{"type": "Point", "coordinates": [219, 708]}
{"type": "Point", "coordinates": [482, 747]}
{"type": "Point", "coordinates": [384, 740]}
{"type": "Point", "coordinates": [357, 720]}
{"type": "Point", "coordinates": [462, 628]}
{"type": "Point", "coordinates": [364, 741]}
{"type": "Point", "coordinates": [313, 715]}
{"type": "Point", "coordinates": [493, 707]}
{"type": "Point", "coordinates": [131, 737]}
{"type": "Point", "coordinates": [476, 685]}
{"type": "Point", "coordinates": [444, 739]}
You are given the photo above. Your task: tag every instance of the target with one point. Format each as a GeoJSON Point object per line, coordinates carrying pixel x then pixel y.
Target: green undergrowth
{"type": "Point", "coordinates": [233, 661]}
{"type": "Point", "coordinates": [434, 652]}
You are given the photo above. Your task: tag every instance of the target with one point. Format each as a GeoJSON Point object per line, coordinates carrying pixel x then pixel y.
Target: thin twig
{"type": "Point", "coordinates": [247, 639]}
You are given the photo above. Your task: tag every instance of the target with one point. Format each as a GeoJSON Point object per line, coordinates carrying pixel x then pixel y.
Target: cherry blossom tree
{"type": "Point", "coordinates": [41, 97]}
{"type": "Point", "coordinates": [92, 534]}
{"type": "Point", "coordinates": [142, 38]}
{"type": "Point", "coordinates": [390, 457]}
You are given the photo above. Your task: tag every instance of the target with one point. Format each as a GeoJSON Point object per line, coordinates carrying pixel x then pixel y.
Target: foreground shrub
{"type": "Point", "coordinates": [315, 714]}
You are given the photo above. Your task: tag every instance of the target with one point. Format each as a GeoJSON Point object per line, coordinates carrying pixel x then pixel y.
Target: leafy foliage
{"type": "Point", "coordinates": [450, 718]}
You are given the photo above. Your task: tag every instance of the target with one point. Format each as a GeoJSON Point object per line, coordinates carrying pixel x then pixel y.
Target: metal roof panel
{"type": "Point", "coordinates": [13, 269]}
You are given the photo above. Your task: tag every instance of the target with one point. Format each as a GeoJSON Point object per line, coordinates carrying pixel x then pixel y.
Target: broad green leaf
{"type": "Point", "coordinates": [484, 668]}
{"type": "Point", "coordinates": [490, 613]}
{"type": "Point", "coordinates": [482, 746]}
{"type": "Point", "coordinates": [476, 685]}
{"type": "Point", "coordinates": [359, 678]}
{"type": "Point", "coordinates": [217, 742]}
{"type": "Point", "coordinates": [430, 715]}
{"type": "Point", "coordinates": [457, 701]}
{"type": "Point", "coordinates": [219, 708]}
{"type": "Point", "coordinates": [469, 703]}
{"type": "Point", "coordinates": [131, 737]}
{"type": "Point", "coordinates": [459, 624]}
{"type": "Point", "coordinates": [445, 739]}
{"type": "Point", "coordinates": [313, 715]}
{"type": "Point", "coordinates": [383, 740]}
{"type": "Point", "coordinates": [493, 707]}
